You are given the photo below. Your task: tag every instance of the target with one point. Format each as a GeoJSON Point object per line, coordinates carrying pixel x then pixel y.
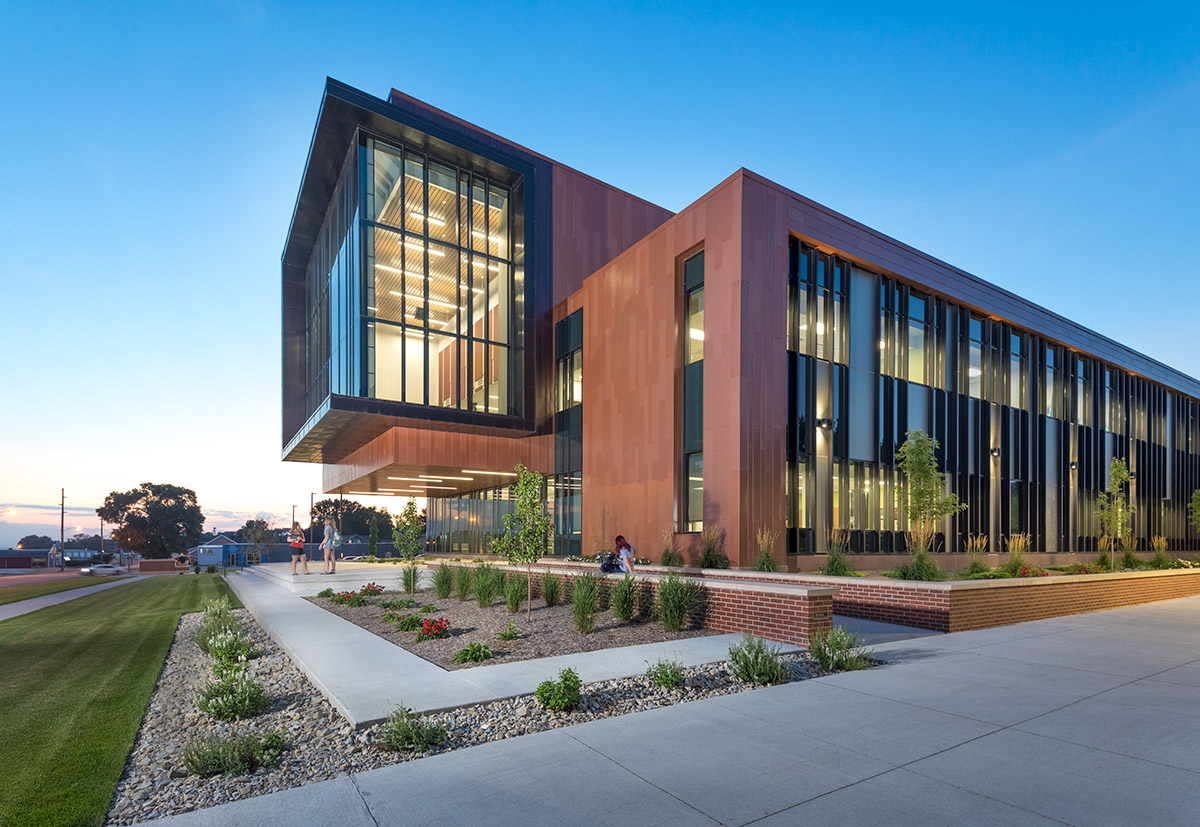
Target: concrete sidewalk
{"type": "Point", "coordinates": [365, 676]}
{"type": "Point", "coordinates": [1090, 719]}
{"type": "Point", "coordinates": [24, 607]}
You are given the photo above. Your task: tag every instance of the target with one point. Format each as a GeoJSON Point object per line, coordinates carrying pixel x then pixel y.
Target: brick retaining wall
{"type": "Point", "coordinates": [956, 606]}
{"type": "Point", "coordinates": [782, 612]}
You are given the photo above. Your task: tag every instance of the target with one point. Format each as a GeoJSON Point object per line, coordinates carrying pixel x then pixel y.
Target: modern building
{"type": "Point", "coordinates": [455, 304]}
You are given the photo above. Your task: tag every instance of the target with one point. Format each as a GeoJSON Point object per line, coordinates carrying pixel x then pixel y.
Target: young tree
{"type": "Point", "coordinates": [526, 528]}
{"type": "Point", "coordinates": [157, 520]}
{"type": "Point", "coordinates": [1113, 506]}
{"type": "Point", "coordinates": [407, 536]}
{"type": "Point", "coordinates": [1194, 510]}
{"type": "Point", "coordinates": [260, 535]}
{"type": "Point", "coordinates": [373, 537]}
{"type": "Point", "coordinates": [928, 501]}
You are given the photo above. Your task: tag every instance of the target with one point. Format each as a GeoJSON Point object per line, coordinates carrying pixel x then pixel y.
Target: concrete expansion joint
{"type": "Point", "coordinates": [363, 799]}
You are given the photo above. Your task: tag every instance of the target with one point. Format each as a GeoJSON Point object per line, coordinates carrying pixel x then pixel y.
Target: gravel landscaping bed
{"type": "Point", "coordinates": [550, 630]}
{"type": "Point", "coordinates": [323, 745]}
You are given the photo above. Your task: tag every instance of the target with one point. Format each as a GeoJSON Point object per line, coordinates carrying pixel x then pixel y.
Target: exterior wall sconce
{"type": "Point", "coordinates": [1074, 466]}
{"type": "Point", "coordinates": [825, 423]}
{"type": "Point", "coordinates": [1133, 475]}
{"type": "Point", "coordinates": [996, 453]}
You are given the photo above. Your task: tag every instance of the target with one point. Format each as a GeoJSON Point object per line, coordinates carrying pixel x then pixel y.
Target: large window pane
{"type": "Point", "coordinates": [498, 300]}
{"type": "Point", "coordinates": [414, 193]}
{"type": "Point", "coordinates": [916, 340]}
{"type": "Point", "coordinates": [414, 367]}
{"type": "Point", "coordinates": [443, 209]}
{"type": "Point", "coordinates": [389, 362]}
{"type": "Point", "coordinates": [497, 397]}
{"type": "Point", "coordinates": [385, 203]}
{"type": "Point", "coordinates": [443, 357]}
{"type": "Point", "coordinates": [695, 326]}
{"type": "Point", "coordinates": [975, 360]}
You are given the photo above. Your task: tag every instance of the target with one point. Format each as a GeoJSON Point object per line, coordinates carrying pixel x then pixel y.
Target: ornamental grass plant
{"type": "Point", "coordinates": [837, 650]}
{"type": "Point", "coordinates": [755, 661]}
{"type": "Point", "coordinates": [766, 543]}
{"type": "Point", "coordinates": [670, 556]}
{"type": "Point", "coordinates": [624, 598]}
{"type": "Point", "coordinates": [976, 548]}
{"type": "Point", "coordinates": [463, 581]}
{"type": "Point", "coordinates": [443, 581]}
{"type": "Point", "coordinates": [837, 559]}
{"type": "Point", "coordinates": [486, 584]}
{"type": "Point", "coordinates": [516, 589]}
{"type": "Point", "coordinates": [584, 593]}
{"type": "Point", "coordinates": [711, 557]}
{"type": "Point", "coordinates": [681, 600]}
{"type": "Point", "coordinates": [551, 589]}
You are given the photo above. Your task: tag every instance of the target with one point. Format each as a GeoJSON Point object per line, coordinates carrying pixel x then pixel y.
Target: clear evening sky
{"type": "Point", "coordinates": [152, 154]}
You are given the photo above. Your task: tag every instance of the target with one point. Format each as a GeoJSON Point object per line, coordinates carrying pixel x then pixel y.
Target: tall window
{"type": "Point", "coordinates": [440, 282]}
{"type": "Point", "coordinates": [975, 359]}
{"type": "Point", "coordinates": [1049, 389]}
{"type": "Point", "coordinates": [693, 392]}
{"type": "Point", "coordinates": [1016, 350]}
{"type": "Point", "coordinates": [566, 487]}
{"type": "Point", "coordinates": [916, 339]}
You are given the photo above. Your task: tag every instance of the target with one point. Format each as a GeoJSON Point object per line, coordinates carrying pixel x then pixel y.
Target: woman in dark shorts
{"type": "Point", "coordinates": [296, 540]}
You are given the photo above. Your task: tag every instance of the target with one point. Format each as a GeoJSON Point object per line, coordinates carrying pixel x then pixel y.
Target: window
{"type": "Point", "coordinates": [975, 359]}
{"type": "Point", "coordinates": [1016, 350]}
{"type": "Point", "coordinates": [1048, 391]}
{"type": "Point", "coordinates": [693, 393]}
{"type": "Point", "coordinates": [916, 339]}
{"type": "Point", "coordinates": [440, 282]}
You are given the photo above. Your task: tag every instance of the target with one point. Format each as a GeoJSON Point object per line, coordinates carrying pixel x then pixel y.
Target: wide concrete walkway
{"type": "Point", "coordinates": [24, 607]}
{"type": "Point", "coordinates": [1085, 720]}
{"type": "Point", "coordinates": [365, 676]}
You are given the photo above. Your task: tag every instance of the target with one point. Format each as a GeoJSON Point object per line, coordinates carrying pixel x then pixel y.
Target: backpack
{"type": "Point", "coordinates": [337, 539]}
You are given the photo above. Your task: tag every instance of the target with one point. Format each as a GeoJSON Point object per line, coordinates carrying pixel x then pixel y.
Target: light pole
{"type": "Point", "coordinates": [62, 531]}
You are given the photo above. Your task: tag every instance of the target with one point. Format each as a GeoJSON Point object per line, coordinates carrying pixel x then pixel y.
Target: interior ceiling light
{"type": "Point", "coordinates": [407, 479]}
{"type": "Point", "coordinates": [490, 473]}
{"type": "Point", "coordinates": [974, 372]}
{"type": "Point", "coordinates": [445, 478]}
{"type": "Point", "coordinates": [437, 487]}
{"type": "Point", "coordinates": [428, 218]}
{"type": "Point", "coordinates": [696, 334]}
{"type": "Point", "coordinates": [416, 245]}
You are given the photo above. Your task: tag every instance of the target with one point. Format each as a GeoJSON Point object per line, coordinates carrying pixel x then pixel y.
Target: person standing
{"type": "Point", "coordinates": [296, 541]}
{"type": "Point", "coordinates": [329, 547]}
{"type": "Point", "coordinates": [625, 554]}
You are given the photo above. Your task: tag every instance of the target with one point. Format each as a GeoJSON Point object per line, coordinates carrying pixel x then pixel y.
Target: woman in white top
{"type": "Point", "coordinates": [327, 547]}
{"type": "Point", "coordinates": [625, 553]}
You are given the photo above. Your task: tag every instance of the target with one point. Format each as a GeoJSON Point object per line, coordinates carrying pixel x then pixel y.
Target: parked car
{"type": "Point", "coordinates": [102, 569]}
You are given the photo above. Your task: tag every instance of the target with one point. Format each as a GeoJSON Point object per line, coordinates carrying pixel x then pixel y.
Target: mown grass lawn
{"type": "Point", "coordinates": [11, 594]}
{"type": "Point", "coordinates": [75, 681]}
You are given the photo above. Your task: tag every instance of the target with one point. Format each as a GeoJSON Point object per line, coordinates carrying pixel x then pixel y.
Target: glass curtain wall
{"type": "Point", "coordinates": [693, 393]}
{"type": "Point", "coordinates": [440, 282]}
{"type": "Point", "coordinates": [467, 524]}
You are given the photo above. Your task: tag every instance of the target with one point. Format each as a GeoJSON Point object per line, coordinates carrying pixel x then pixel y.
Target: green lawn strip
{"type": "Point", "coordinates": [75, 684]}
{"type": "Point", "coordinates": [11, 594]}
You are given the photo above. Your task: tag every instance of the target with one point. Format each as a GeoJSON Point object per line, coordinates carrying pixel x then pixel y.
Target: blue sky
{"type": "Point", "coordinates": [152, 153]}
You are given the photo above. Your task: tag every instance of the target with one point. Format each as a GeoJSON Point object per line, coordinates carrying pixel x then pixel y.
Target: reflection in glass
{"type": "Point", "coordinates": [695, 326]}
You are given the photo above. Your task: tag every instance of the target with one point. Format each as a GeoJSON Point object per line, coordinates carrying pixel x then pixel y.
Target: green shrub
{"type": "Point", "coordinates": [922, 566]}
{"type": "Point", "coordinates": [509, 632]}
{"type": "Point", "coordinates": [486, 585]}
{"type": "Point", "coordinates": [473, 653]}
{"type": "Point", "coordinates": [551, 589]}
{"type": "Point", "coordinates": [196, 569]}
{"type": "Point", "coordinates": [211, 569]}
{"type": "Point", "coordinates": [233, 695]}
{"type": "Point", "coordinates": [680, 601]}
{"type": "Point", "coordinates": [516, 589]}
{"type": "Point", "coordinates": [1104, 560]}
{"type": "Point", "coordinates": [712, 557]}
{"type": "Point", "coordinates": [462, 582]}
{"type": "Point", "coordinates": [213, 754]}
{"type": "Point", "coordinates": [755, 661]}
{"type": "Point", "coordinates": [397, 603]}
{"type": "Point", "coordinates": [428, 609]}
{"type": "Point", "coordinates": [443, 581]}
{"type": "Point", "coordinates": [408, 732]}
{"type": "Point", "coordinates": [231, 646]}
{"type": "Point", "coordinates": [837, 650]}
{"type": "Point", "coordinates": [624, 598]}
{"type": "Point", "coordinates": [584, 591]}
{"type": "Point", "coordinates": [371, 590]}
{"type": "Point", "coordinates": [325, 593]}
{"type": "Point", "coordinates": [560, 695]}
{"type": "Point", "coordinates": [403, 623]}
{"type": "Point", "coordinates": [665, 673]}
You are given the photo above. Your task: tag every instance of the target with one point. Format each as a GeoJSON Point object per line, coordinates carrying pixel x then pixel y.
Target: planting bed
{"type": "Point", "coordinates": [550, 631]}
{"type": "Point", "coordinates": [322, 745]}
